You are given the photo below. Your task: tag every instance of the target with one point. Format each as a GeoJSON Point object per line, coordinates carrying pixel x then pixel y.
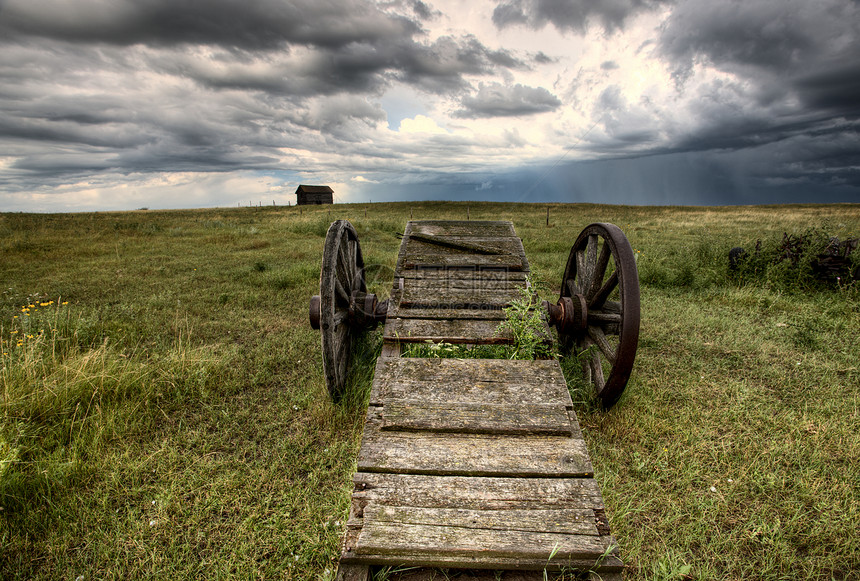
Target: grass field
{"type": "Point", "coordinates": [164, 414]}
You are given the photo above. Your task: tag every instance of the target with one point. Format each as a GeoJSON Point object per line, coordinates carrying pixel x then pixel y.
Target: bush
{"type": "Point", "coordinates": [812, 260]}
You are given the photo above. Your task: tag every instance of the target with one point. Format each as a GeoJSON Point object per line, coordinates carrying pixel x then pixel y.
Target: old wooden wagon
{"type": "Point", "coordinates": [477, 464]}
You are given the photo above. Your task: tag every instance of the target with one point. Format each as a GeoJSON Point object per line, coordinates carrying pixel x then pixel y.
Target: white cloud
{"type": "Point", "coordinates": [421, 124]}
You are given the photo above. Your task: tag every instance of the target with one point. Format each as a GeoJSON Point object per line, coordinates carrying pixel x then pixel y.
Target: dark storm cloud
{"type": "Point", "coordinates": [496, 100]}
{"type": "Point", "coordinates": [832, 86]}
{"type": "Point", "coordinates": [571, 15]}
{"type": "Point", "coordinates": [355, 43]}
{"type": "Point", "coordinates": [436, 67]}
{"type": "Point", "coordinates": [810, 50]}
{"type": "Point", "coordinates": [251, 24]}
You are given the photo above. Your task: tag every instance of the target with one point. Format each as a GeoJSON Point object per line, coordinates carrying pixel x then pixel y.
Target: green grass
{"type": "Point", "coordinates": [171, 419]}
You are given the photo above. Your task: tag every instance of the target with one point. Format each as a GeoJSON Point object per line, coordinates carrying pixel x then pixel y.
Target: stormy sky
{"type": "Point", "coordinates": [121, 104]}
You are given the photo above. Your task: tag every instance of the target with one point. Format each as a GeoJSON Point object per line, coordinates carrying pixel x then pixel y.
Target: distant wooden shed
{"type": "Point", "coordinates": [310, 195]}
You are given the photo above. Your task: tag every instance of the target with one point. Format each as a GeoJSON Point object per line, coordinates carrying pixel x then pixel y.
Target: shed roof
{"type": "Point", "coordinates": [314, 189]}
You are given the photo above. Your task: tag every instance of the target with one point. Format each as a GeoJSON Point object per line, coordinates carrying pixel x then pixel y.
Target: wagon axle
{"type": "Point", "coordinates": [365, 311]}
{"type": "Point", "coordinates": [569, 315]}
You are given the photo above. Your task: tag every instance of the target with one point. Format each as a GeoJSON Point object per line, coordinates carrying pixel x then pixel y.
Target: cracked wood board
{"type": "Point", "coordinates": [476, 418]}
{"type": "Point", "coordinates": [473, 331]}
{"type": "Point", "coordinates": [491, 381]}
{"type": "Point", "coordinates": [476, 492]}
{"type": "Point", "coordinates": [470, 454]}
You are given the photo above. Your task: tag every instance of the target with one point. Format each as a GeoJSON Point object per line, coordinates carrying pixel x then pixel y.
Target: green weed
{"type": "Point", "coordinates": [525, 320]}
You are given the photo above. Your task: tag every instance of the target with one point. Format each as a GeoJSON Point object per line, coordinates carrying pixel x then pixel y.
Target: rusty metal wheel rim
{"type": "Point", "coordinates": [602, 269]}
{"type": "Point", "coordinates": [341, 274]}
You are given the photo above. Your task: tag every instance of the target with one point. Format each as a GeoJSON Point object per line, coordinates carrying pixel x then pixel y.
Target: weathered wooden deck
{"type": "Point", "coordinates": [470, 464]}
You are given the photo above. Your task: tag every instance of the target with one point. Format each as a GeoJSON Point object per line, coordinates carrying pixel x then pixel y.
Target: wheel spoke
{"type": "Point", "coordinates": [573, 288]}
{"type": "Point", "coordinates": [599, 269]}
{"type": "Point", "coordinates": [590, 259]}
{"type": "Point", "coordinates": [602, 318]}
{"type": "Point", "coordinates": [597, 372]}
{"type": "Point", "coordinates": [353, 265]}
{"type": "Point", "coordinates": [341, 292]}
{"type": "Point", "coordinates": [341, 265]}
{"type": "Point", "coordinates": [599, 337]}
{"type": "Point", "coordinates": [342, 284]}
{"type": "Point", "coordinates": [581, 346]}
{"type": "Point", "coordinates": [343, 360]}
{"type": "Point", "coordinates": [339, 318]}
{"type": "Point", "coordinates": [581, 269]}
{"type": "Point", "coordinates": [600, 297]}
{"type": "Point", "coordinates": [343, 350]}
{"type": "Point", "coordinates": [346, 260]}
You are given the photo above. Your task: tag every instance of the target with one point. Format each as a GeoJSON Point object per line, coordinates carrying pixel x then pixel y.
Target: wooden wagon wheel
{"type": "Point", "coordinates": [598, 311]}
{"type": "Point", "coordinates": [341, 281]}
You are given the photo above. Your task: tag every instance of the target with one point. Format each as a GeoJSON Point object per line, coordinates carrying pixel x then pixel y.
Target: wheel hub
{"type": "Point", "coordinates": [365, 310]}
{"type": "Point", "coordinates": [569, 315]}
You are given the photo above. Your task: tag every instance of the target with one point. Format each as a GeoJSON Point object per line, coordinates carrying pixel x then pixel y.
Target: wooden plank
{"type": "Point", "coordinates": [560, 520]}
{"type": "Point", "coordinates": [425, 545]}
{"type": "Point", "coordinates": [488, 245]}
{"type": "Point", "coordinates": [610, 563]}
{"type": "Point", "coordinates": [473, 252]}
{"type": "Point", "coordinates": [476, 418]}
{"type": "Point", "coordinates": [390, 350]}
{"type": "Point", "coordinates": [471, 245]}
{"type": "Point", "coordinates": [474, 331]}
{"type": "Point", "coordinates": [475, 492]}
{"type": "Point", "coordinates": [485, 312]}
{"type": "Point", "coordinates": [486, 381]}
{"type": "Point", "coordinates": [353, 572]}
{"type": "Point", "coordinates": [491, 236]}
{"type": "Point", "coordinates": [461, 228]}
{"type": "Point", "coordinates": [605, 576]}
{"type": "Point", "coordinates": [470, 454]}
{"type": "Point", "coordinates": [428, 574]}
{"type": "Point", "coordinates": [473, 276]}
{"type": "Point", "coordinates": [440, 297]}
{"type": "Point", "coordinates": [438, 259]}
{"type": "Point", "coordinates": [473, 283]}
